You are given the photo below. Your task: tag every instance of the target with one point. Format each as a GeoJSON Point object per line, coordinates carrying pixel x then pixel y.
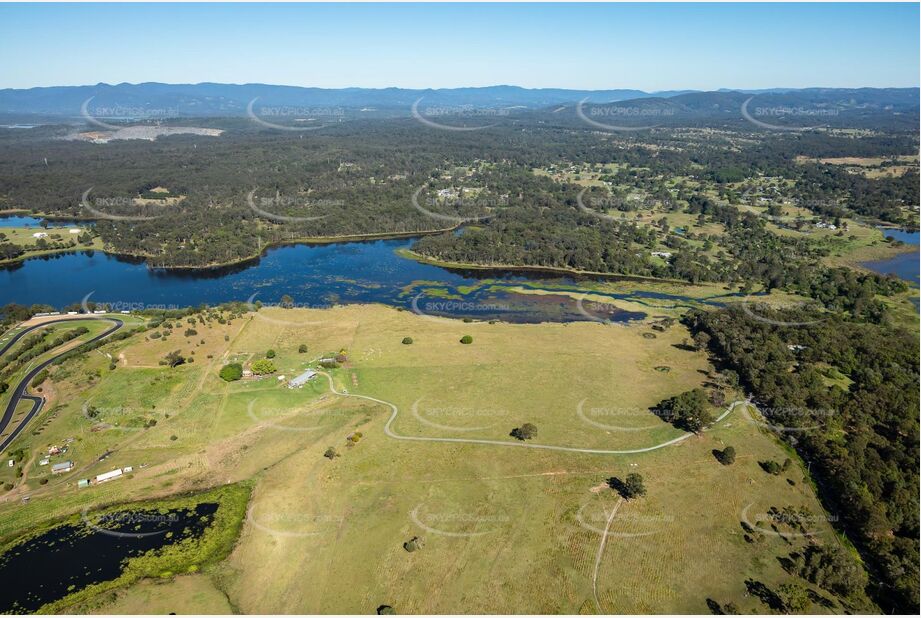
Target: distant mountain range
{"type": "Point", "coordinates": [218, 100]}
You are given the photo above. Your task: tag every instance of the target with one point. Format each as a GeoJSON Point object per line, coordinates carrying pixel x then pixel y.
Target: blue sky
{"type": "Point", "coordinates": [592, 46]}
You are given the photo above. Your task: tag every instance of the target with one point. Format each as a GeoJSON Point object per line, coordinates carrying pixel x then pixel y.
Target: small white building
{"type": "Point", "coordinates": [74, 230]}
{"type": "Point", "coordinates": [39, 235]}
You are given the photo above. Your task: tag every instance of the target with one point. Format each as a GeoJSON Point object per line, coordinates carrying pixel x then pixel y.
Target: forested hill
{"type": "Point", "coordinates": [210, 99]}
{"type": "Point", "coordinates": [216, 100]}
{"type": "Point", "coordinates": [860, 436]}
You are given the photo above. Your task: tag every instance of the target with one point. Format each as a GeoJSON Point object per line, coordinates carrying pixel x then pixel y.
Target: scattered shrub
{"type": "Point", "coordinates": [727, 456]}
{"type": "Point", "coordinates": [413, 544]}
{"type": "Point", "coordinates": [263, 366]}
{"type": "Point", "coordinates": [525, 432]}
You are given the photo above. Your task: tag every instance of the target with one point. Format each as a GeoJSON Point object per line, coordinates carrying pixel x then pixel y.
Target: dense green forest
{"type": "Point", "coordinates": [359, 177]}
{"type": "Point", "coordinates": [844, 394]}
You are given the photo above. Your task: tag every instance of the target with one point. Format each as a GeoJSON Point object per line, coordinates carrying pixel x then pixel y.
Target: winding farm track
{"type": "Point", "coordinates": [600, 552]}
{"type": "Point", "coordinates": [19, 392]}
{"type": "Point", "coordinates": [570, 449]}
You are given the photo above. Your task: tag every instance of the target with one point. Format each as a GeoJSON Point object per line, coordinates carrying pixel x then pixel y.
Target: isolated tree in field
{"type": "Point", "coordinates": [466, 339]}
{"type": "Point", "coordinates": [231, 372]}
{"type": "Point", "coordinates": [302, 349]}
{"type": "Point", "coordinates": [331, 453]}
{"type": "Point", "coordinates": [525, 432]}
{"type": "Point", "coordinates": [270, 354]}
{"type": "Point", "coordinates": [263, 366]}
{"type": "Point", "coordinates": [727, 456]}
{"type": "Point", "coordinates": [386, 610]}
{"type": "Point", "coordinates": [634, 487]}
{"type": "Point", "coordinates": [770, 466]}
{"type": "Point", "coordinates": [173, 359]}
{"type": "Point", "coordinates": [407, 340]}
{"type": "Point", "coordinates": [413, 544]}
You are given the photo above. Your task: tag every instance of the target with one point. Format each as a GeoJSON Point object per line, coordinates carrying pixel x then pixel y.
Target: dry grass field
{"type": "Point", "coordinates": [505, 529]}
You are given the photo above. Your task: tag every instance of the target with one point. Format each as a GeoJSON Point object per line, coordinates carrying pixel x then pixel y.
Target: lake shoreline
{"type": "Point", "coordinates": [356, 238]}
{"type": "Point", "coordinates": [409, 254]}
{"type": "Point", "coordinates": [902, 260]}
{"type": "Point", "coordinates": [216, 266]}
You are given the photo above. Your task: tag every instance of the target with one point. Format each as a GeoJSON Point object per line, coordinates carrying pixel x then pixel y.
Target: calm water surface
{"type": "Point", "coordinates": [71, 557]}
{"type": "Point", "coordinates": [904, 266]}
{"type": "Point", "coordinates": [315, 276]}
{"type": "Point", "coordinates": [18, 221]}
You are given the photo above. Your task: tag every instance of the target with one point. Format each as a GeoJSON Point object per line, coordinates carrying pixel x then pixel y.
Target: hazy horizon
{"type": "Point", "coordinates": [651, 47]}
{"type": "Point", "coordinates": [460, 87]}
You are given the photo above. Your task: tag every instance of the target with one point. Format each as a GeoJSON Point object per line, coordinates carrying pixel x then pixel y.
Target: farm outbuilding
{"type": "Point", "coordinates": [302, 379]}
{"type": "Point", "coordinates": [60, 468]}
{"type": "Point", "coordinates": [108, 476]}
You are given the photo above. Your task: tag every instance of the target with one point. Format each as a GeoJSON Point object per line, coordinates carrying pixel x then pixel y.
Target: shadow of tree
{"type": "Point", "coordinates": [619, 486]}
{"type": "Point", "coordinates": [764, 594]}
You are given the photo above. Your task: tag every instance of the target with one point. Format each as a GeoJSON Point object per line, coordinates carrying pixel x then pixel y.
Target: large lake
{"type": "Point", "coordinates": [319, 276]}
{"type": "Point", "coordinates": [316, 276]}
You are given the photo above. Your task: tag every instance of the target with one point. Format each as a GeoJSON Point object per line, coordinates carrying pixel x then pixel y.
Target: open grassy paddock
{"type": "Point", "coordinates": [504, 528]}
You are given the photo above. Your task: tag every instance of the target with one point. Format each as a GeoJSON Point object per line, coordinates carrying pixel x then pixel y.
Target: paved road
{"type": "Point", "coordinates": [19, 392]}
{"type": "Point", "coordinates": [571, 449]}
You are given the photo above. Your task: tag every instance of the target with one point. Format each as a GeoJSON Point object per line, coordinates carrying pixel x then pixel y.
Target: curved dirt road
{"type": "Point", "coordinates": [571, 449]}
